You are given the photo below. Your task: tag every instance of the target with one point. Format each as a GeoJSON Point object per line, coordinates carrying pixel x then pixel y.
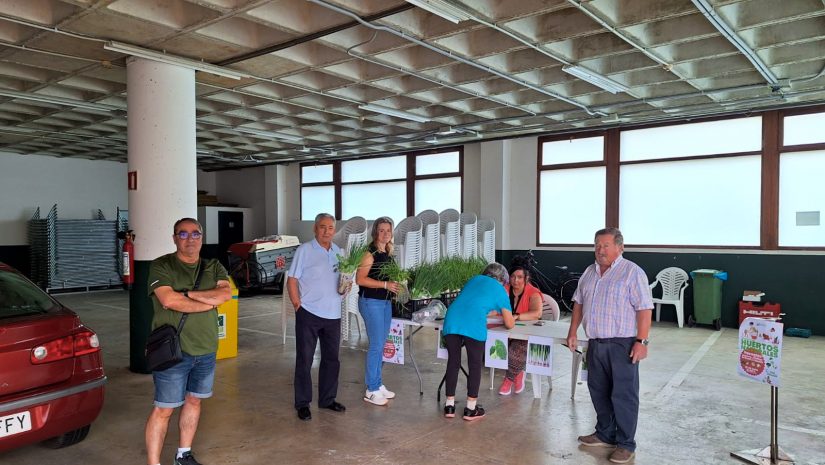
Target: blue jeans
{"type": "Point", "coordinates": [195, 374]}
{"type": "Point", "coordinates": [377, 315]}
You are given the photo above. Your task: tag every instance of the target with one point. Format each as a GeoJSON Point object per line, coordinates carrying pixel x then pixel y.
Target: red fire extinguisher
{"type": "Point", "coordinates": [128, 256]}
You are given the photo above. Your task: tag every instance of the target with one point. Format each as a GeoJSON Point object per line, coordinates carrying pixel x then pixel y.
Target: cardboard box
{"type": "Point", "coordinates": [752, 296]}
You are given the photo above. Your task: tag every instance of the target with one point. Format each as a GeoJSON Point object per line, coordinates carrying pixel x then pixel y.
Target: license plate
{"type": "Point", "coordinates": [16, 423]}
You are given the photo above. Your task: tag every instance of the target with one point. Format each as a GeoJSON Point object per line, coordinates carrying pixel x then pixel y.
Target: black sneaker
{"type": "Point", "coordinates": [187, 459]}
{"type": "Point", "coordinates": [449, 411]}
{"type": "Point", "coordinates": [474, 414]}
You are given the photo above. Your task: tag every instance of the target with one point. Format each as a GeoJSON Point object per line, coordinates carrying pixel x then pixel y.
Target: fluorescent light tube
{"type": "Point", "coordinates": [174, 60]}
{"type": "Point", "coordinates": [443, 9]}
{"type": "Point", "coordinates": [595, 78]}
{"type": "Point", "coordinates": [275, 135]}
{"type": "Point", "coordinates": [57, 100]}
{"type": "Point", "coordinates": [431, 140]}
{"type": "Point", "coordinates": [393, 112]}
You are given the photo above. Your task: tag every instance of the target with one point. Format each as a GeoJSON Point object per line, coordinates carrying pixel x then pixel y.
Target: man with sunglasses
{"type": "Point", "coordinates": [172, 280]}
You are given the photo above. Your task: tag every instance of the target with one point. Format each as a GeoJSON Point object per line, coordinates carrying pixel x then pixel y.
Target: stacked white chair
{"type": "Point", "coordinates": [487, 239]}
{"type": "Point", "coordinates": [353, 233]}
{"type": "Point", "coordinates": [469, 234]}
{"type": "Point", "coordinates": [450, 233]}
{"type": "Point", "coordinates": [431, 228]}
{"type": "Point", "coordinates": [407, 238]}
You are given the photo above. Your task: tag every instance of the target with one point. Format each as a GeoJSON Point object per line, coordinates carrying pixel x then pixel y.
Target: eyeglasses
{"type": "Point", "coordinates": [183, 235]}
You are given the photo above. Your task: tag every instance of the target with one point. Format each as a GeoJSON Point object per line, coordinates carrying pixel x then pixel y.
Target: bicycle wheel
{"type": "Point", "coordinates": [566, 293]}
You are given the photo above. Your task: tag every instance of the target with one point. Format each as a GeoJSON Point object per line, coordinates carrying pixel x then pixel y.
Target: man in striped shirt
{"type": "Point", "coordinates": [613, 302]}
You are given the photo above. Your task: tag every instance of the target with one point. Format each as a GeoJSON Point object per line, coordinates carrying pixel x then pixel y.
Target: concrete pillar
{"type": "Point", "coordinates": [161, 139]}
{"type": "Point", "coordinates": [495, 188]}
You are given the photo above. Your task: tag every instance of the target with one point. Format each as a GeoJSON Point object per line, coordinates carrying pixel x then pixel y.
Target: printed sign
{"type": "Point", "coordinates": [760, 350]}
{"type": "Point", "coordinates": [394, 345]}
{"type": "Point", "coordinates": [540, 355]}
{"type": "Point", "coordinates": [495, 350]}
{"type": "Point", "coordinates": [441, 346]}
{"type": "Point", "coordinates": [583, 371]}
{"type": "Point", "coordinates": [221, 325]}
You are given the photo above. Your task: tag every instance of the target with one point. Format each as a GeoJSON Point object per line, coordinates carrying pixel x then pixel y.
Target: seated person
{"type": "Point", "coordinates": [527, 303]}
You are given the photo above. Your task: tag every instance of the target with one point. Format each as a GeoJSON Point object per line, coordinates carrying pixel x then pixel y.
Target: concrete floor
{"type": "Point", "coordinates": [695, 409]}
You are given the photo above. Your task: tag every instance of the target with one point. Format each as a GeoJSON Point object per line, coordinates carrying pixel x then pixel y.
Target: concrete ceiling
{"type": "Point", "coordinates": [310, 64]}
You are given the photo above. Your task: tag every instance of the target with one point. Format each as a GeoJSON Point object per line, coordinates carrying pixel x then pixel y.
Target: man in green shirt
{"type": "Point", "coordinates": [171, 286]}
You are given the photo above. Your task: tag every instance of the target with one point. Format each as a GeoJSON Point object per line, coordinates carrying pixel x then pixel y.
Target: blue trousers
{"type": "Point", "coordinates": [613, 381]}
{"type": "Point", "coordinates": [377, 315]}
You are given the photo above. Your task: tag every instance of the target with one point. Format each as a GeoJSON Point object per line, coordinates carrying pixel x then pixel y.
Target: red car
{"type": "Point", "coordinates": [51, 368]}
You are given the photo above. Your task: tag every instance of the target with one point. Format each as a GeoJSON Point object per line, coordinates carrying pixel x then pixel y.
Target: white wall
{"type": "Point", "coordinates": [78, 187]}
{"type": "Point", "coordinates": [207, 181]}
{"type": "Point", "coordinates": [522, 181]}
{"type": "Point", "coordinates": [246, 188]}
{"type": "Point", "coordinates": [472, 178]}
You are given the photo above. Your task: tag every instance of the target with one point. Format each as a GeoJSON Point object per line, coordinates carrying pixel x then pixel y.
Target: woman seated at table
{"type": "Point", "coordinates": [466, 324]}
{"type": "Point", "coordinates": [526, 301]}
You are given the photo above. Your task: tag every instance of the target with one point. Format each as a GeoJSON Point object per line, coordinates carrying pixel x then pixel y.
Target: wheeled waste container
{"type": "Point", "coordinates": [707, 297]}
{"type": "Point", "coordinates": [228, 325]}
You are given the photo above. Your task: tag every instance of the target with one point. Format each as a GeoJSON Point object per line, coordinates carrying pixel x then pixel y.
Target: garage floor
{"type": "Point", "coordinates": [695, 408]}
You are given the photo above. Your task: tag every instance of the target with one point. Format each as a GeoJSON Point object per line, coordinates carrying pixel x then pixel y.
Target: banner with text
{"type": "Point", "coordinates": [760, 350]}
{"type": "Point", "coordinates": [394, 345]}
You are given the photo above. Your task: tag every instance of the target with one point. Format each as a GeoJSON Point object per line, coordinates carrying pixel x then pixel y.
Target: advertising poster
{"type": "Point", "coordinates": [540, 355]}
{"type": "Point", "coordinates": [760, 350]}
{"type": "Point", "coordinates": [441, 349]}
{"type": "Point", "coordinates": [495, 350]}
{"type": "Point", "coordinates": [221, 325]}
{"type": "Point", "coordinates": [394, 345]}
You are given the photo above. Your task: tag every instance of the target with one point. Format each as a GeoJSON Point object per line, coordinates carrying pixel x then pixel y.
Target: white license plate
{"type": "Point", "coordinates": [16, 423]}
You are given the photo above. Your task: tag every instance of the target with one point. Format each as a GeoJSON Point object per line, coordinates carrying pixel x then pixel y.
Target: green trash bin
{"type": "Point", "coordinates": [707, 297]}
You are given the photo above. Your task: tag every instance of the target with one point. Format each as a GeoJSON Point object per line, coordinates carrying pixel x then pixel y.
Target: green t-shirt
{"type": "Point", "coordinates": [200, 332]}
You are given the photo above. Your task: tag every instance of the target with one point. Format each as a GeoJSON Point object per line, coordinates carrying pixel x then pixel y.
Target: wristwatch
{"type": "Point", "coordinates": [643, 342]}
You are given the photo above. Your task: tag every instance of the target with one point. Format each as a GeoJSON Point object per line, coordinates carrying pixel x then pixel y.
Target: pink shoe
{"type": "Point", "coordinates": [506, 387]}
{"type": "Point", "coordinates": [519, 382]}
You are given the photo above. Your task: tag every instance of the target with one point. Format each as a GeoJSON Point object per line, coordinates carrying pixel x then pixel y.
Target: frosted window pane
{"type": "Point", "coordinates": [804, 129]}
{"type": "Point", "coordinates": [319, 173]}
{"type": "Point", "coordinates": [572, 205]}
{"type": "Point", "coordinates": [437, 194]}
{"type": "Point", "coordinates": [437, 163]}
{"type": "Point", "coordinates": [801, 190]}
{"type": "Point", "coordinates": [374, 169]}
{"type": "Point", "coordinates": [316, 200]}
{"type": "Point", "coordinates": [572, 151]}
{"type": "Point", "coordinates": [374, 200]}
{"type": "Point", "coordinates": [697, 202]}
{"type": "Point", "coordinates": [694, 139]}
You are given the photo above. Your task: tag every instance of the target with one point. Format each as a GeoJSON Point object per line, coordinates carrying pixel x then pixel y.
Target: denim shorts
{"type": "Point", "coordinates": [194, 375]}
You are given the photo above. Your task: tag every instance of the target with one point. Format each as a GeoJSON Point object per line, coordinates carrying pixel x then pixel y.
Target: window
{"type": "Point", "coordinates": [695, 139]}
{"type": "Point", "coordinates": [801, 199]}
{"type": "Point", "coordinates": [804, 129]}
{"type": "Point", "coordinates": [396, 186]}
{"type": "Point", "coordinates": [317, 191]}
{"type": "Point", "coordinates": [707, 202]}
{"type": "Point", "coordinates": [571, 190]}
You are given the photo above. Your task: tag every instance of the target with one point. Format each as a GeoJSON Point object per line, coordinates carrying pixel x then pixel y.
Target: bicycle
{"type": "Point", "coordinates": [561, 288]}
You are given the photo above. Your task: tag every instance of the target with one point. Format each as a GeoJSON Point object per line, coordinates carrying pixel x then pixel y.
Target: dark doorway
{"type": "Point", "coordinates": [230, 231]}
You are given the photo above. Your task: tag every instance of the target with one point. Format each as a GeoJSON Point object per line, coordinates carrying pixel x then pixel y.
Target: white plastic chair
{"type": "Point", "coordinates": [352, 233]}
{"type": "Point", "coordinates": [550, 308]}
{"type": "Point", "coordinates": [450, 233]}
{"type": "Point", "coordinates": [431, 229]}
{"type": "Point", "coordinates": [674, 281]}
{"type": "Point", "coordinates": [469, 234]}
{"type": "Point", "coordinates": [286, 306]}
{"type": "Point", "coordinates": [487, 239]}
{"type": "Point", "coordinates": [407, 239]}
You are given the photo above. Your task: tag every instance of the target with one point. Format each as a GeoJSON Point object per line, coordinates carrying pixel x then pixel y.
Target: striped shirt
{"type": "Point", "coordinates": [610, 300]}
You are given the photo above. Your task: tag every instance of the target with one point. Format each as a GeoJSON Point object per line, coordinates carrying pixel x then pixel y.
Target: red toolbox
{"type": "Point", "coordinates": [758, 310]}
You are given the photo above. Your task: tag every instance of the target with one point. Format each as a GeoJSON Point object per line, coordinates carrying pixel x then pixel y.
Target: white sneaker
{"type": "Point", "coordinates": [386, 392]}
{"type": "Point", "coordinates": [375, 397]}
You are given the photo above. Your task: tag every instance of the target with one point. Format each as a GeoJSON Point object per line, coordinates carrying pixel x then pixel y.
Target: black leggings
{"type": "Point", "coordinates": [475, 360]}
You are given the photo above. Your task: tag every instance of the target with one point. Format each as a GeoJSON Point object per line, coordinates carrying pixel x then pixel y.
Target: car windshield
{"type": "Point", "coordinates": [19, 297]}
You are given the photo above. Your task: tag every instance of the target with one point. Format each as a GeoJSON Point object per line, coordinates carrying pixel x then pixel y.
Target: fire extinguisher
{"type": "Point", "coordinates": [128, 257]}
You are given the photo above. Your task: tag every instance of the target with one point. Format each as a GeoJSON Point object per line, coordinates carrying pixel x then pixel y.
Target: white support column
{"type": "Point", "coordinates": [161, 138]}
{"type": "Point", "coordinates": [495, 188]}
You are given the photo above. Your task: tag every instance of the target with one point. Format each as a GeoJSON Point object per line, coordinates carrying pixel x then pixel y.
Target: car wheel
{"type": "Point", "coordinates": [67, 439]}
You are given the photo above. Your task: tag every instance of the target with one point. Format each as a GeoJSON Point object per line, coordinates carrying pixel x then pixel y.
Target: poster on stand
{"type": "Point", "coordinates": [760, 350]}
{"type": "Point", "coordinates": [539, 355]}
{"type": "Point", "coordinates": [394, 345]}
{"type": "Point", "coordinates": [495, 350]}
{"type": "Point", "coordinates": [441, 346]}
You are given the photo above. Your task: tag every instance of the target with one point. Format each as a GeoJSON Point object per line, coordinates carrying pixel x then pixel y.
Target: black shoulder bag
{"type": "Point", "coordinates": [163, 344]}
